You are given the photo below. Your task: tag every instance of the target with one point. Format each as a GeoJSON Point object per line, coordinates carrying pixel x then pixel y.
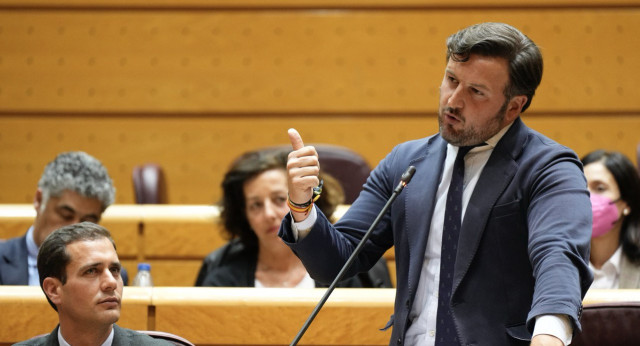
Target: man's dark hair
{"type": "Point", "coordinates": [53, 257]}
{"type": "Point", "coordinates": [504, 41]}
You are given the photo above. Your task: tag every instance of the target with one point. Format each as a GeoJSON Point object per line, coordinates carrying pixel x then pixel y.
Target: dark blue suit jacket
{"type": "Point", "coordinates": [13, 263]}
{"type": "Point", "coordinates": [524, 242]}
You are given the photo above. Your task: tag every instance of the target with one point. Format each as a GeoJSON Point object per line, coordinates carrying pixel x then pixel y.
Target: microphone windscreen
{"type": "Point", "coordinates": [408, 174]}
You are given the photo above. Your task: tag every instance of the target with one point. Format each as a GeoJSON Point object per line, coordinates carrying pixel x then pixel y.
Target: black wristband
{"type": "Point", "coordinates": [317, 191]}
{"type": "Point", "coordinates": [300, 205]}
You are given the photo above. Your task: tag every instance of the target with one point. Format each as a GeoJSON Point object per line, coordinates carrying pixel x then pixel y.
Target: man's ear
{"type": "Point", "coordinates": [37, 200]}
{"type": "Point", "coordinates": [52, 287]}
{"type": "Point", "coordinates": [514, 107]}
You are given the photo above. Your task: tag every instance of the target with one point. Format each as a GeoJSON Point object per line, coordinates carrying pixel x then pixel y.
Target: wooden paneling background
{"type": "Point", "coordinates": [192, 84]}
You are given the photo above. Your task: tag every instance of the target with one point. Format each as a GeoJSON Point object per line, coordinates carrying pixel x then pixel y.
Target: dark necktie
{"type": "Point", "coordinates": [445, 328]}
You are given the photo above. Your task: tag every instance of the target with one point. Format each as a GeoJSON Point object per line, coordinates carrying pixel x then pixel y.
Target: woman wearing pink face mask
{"type": "Point", "coordinates": [615, 198]}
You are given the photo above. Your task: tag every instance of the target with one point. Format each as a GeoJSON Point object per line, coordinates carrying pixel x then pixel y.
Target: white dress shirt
{"type": "Point", "coordinates": [64, 342]}
{"type": "Point", "coordinates": [608, 276]}
{"type": "Point", "coordinates": [306, 282]}
{"type": "Point", "coordinates": [32, 259]}
{"type": "Point", "coordinates": [424, 310]}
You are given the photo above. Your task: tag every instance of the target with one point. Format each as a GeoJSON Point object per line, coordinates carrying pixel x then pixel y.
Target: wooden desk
{"type": "Point", "coordinates": [610, 296]}
{"type": "Point", "coordinates": [175, 240]}
{"type": "Point", "coordinates": [26, 312]}
{"type": "Point", "coordinates": [221, 316]}
{"type": "Point", "coordinates": [249, 316]}
{"type": "Point", "coordinates": [122, 220]}
{"type": "Point", "coordinates": [237, 316]}
{"type": "Point", "coordinates": [15, 219]}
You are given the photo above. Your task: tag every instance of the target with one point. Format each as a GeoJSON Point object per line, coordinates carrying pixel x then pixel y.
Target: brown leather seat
{"type": "Point", "coordinates": [149, 184]}
{"type": "Point", "coordinates": [609, 324]}
{"type": "Point", "coordinates": [347, 166]}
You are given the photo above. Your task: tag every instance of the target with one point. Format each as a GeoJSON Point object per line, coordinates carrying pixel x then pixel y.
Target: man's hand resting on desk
{"type": "Point", "coordinates": [303, 168]}
{"type": "Point", "coordinates": [546, 340]}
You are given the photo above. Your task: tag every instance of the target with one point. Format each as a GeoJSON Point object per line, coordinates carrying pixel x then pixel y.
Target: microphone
{"type": "Point", "coordinates": [404, 180]}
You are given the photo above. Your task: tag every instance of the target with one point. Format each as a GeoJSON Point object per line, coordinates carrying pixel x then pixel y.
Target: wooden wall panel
{"type": "Point", "coordinates": [309, 4]}
{"type": "Point", "coordinates": [294, 61]}
{"type": "Point", "coordinates": [195, 151]}
{"type": "Point", "coordinates": [193, 84]}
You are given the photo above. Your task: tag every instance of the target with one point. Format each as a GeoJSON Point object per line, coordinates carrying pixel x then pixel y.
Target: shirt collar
{"type": "Point", "coordinates": [32, 248]}
{"type": "Point", "coordinates": [615, 259]}
{"type": "Point", "coordinates": [493, 141]}
{"type": "Point", "coordinates": [107, 342]}
{"type": "Point", "coordinates": [612, 262]}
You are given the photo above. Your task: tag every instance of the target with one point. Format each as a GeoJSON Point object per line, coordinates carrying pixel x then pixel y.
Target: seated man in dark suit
{"type": "Point", "coordinates": [74, 187]}
{"type": "Point", "coordinates": [80, 275]}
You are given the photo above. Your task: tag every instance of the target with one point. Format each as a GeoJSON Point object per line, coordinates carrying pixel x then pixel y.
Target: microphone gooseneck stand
{"type": "Point", "coordinates": [404, 180]}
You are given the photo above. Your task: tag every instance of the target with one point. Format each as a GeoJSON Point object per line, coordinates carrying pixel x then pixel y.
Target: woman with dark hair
{"type": "Point", "coordinates": [615, 198]}
{"type": "Point", "coordinates": [253, 205]}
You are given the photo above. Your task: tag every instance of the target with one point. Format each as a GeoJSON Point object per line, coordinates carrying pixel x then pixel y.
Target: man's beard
{"type": "Point", "coordinates": [471, 136]}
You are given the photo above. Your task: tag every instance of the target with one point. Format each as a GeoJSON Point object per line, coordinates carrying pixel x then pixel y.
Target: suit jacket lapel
{"type": "Point", "coordinates": [49, 340]}
{"type": "Point", "coordinates": [494, 179]}
{"type": "Point", "coordinates": [119, 337]}
{"type": "Point", "coordinates": [419, 198]}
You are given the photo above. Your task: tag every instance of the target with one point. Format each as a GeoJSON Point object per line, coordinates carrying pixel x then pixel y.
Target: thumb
{"type": "Point", "coordinates": [296, 140]}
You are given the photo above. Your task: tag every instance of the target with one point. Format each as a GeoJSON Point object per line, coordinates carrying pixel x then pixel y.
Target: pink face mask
{"type": "Point", "coordinates": [605, 214]}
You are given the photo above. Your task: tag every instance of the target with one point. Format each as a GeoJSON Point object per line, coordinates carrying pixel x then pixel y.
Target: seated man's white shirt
{"type": "Point", "coordinates": [64, 342]}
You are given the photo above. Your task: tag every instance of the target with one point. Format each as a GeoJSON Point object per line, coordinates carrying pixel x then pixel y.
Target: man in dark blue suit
{"type": "Point", "coordinates": [74, 187]}
{"type": "Point", "coordinates": [518, 269]}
